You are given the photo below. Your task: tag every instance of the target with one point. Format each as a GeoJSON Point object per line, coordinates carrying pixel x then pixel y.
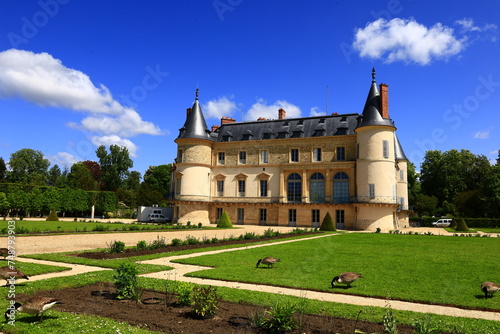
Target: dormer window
{"type": "Point", "coordinates": [322, 120]}
{"type": "Point", "coordinates": [319, 132]}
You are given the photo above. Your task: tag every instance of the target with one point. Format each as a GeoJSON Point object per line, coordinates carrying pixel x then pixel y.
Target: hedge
{"type": "Point", "coordinates": [471, 222]}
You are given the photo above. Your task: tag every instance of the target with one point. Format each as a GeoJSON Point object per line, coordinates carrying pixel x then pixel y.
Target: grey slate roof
{"type": "Point", "coordinates": [317, 126]}
{"type": "Point", "coordinates": [400, 154]}
{"type": "Point", "coordinates": [371, 112]}
{"type": "Point", "coordinates": [195, 125]}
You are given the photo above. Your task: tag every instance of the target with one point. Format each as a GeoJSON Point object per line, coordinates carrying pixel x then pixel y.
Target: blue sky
{"type": "Point", "coordinates": [75, 74]}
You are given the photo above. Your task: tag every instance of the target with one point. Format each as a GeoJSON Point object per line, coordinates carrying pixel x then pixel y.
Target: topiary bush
{"type": "Point", "coordinates": [224, 220]}
{"type": "Point", "coordinates": [52, 216]}
{"type": "Point", "coordinates": [453, 223]}
{"type": "Point", "coordinates": [327, 224]}
{"type": "Point", "coordinates": [461, 225]}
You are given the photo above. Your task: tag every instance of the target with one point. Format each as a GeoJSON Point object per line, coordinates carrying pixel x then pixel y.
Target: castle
{"type": "Point", "coordinates": [292, 171]}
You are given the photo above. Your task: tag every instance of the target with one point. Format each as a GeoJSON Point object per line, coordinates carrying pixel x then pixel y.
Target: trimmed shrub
{"type": "Point", "coordinates": [461, 226]}
{"type": "Point", "coordinates": [141, 245]}
{"type": "Point", "coordinates": [327, 224]}
{"type": "Point", "coordinates": [117, 247]}
{"type": "Point", "coordinates": [52, 216]}
{"type": "Point", "coordinates": [224, 220]}
{"type": "Point", "coordinates": [453, 223]}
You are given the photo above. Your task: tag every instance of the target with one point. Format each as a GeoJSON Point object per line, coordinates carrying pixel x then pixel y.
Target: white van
{"type": "Point", "coordinates": [157, 218]}
{"type": "Point", "coordinates": [445, 222]}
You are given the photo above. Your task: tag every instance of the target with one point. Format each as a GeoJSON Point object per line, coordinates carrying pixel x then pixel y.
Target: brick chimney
{"type": "Point", "coordinates": [384, 100]}
{"type": "Point", "coordinates": [281, 113]}
{"type": "Point", "coordinates": [188, 111]}
{"type": "Point", "coordinates": [215, 127]}
{"type": "Point", "coordinates": [226, 120]}
{"type": "Point", "coordinates": [261, 119]}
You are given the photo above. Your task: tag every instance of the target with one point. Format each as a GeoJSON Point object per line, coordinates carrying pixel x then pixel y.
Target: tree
{"type": "Point", "coordinates": [54, 175]}
{"type": "Point", "coordinates": [224, 221]}
{"type": "Point", "coordinates": [4, 203]}
{"type": "Point", "coordinates": [132, 181]}
{"type": "Point", "coordinates": [414, 188]}
{"type": "Point", "coordinates": [80, 177]}
{"type": "Point", "coordinates": [148, 196]}
{"type": "Point", "coordinates": [95, 170]}
{"type": "Point", "coordinates": [114, 165]}
{"type": "Point", "coordinates": [445, 175]}
{"type": "Point", "coordinates": [3, 169]}
{"type": "Point", "coordinates": [158, 177]}
{"type": "Point", "coordinates": [28, 166]}
{"type": "Point", "coordinates": [327, 224]}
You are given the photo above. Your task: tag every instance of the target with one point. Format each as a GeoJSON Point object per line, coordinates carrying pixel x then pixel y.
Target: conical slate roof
{"type": "Point", "coordinates": [371, 112]}
{"type": "Point", "coordinates": [400, 154]}
{"type": "Point", "coordinates": [195, 125]}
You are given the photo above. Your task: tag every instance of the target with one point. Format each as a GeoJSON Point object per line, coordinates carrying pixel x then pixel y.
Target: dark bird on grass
{"type": "Point", "coordinates": [4, 252]}
{"type": "Point", "coordinates": [35, 305]}
{"type": "Point", "coordinates": [489, 288]}
{"type": "Point", "coordinates": [8, 273]}
{"type": "Point", "coordinates": [345, 278]}
{"type": "Point", "coordinates": [268, 260]}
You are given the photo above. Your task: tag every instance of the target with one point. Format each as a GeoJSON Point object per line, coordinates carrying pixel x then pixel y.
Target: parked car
{"type": "Point", "coordinates": [157, 218]}
{"type": "Point", "coordinates": [442, 223]}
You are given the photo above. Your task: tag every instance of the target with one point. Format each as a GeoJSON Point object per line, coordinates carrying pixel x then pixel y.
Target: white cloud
{"type": "Point", "coordinates": [63, 159]}
{"type": "Point", "coordinates": [481, 134]}
{"type": "Point", "coordinates": [407, 41]}
{"type": "Point", "coordinates": [220, 107]}
{"type": "Point", "coordinates": [316, 111]}
{"type": "Point", "coordinates": [115, 140]}
{"type": "Point", "coordinates": [468, 24]}
{"type": "Point", "coordinates": [262, 109]}
{"type": "Point", "coordinates": [42, 79]}
{"type": "Point", "coordinates": [127, 124]}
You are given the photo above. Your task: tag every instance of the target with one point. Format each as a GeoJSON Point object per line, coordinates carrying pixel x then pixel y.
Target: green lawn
{"type": "Point", "coordinates": [33, 226]}
{"type": "Point", "coordinates": [435, 269]}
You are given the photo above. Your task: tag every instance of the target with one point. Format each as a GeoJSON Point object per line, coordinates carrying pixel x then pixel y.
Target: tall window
{"type": "Point", "coordinates": [341, 188]}
{"type": "Point", "coordinates": [292, 217]}
{"type": "Point", "coordinates": [221, 158]}
{"type": "Point", "coordinates": [401, 175]}
{"type": "Point", "coordinates": [371, 190]}
{"type": "Point", "coordinates": [317, 188]}
{"type": "Point", "coordinates": [241, 188]}
{"type": "Point", "coordinates": [340, 153]}
{"type": "Point", "coordinates": [263, 188]}
{"type": "Point", "coordinates": [340, 216]}
{"type": "Point", "coordinates": [315, 218]}
{"type": "Point", "coordinates": [220, 188]}
{"type": "Point", "coordinates": [263, 215]}
{"type": "Point", "coordinates": [294, 188]}
{"type": "Point", "coordinates": [179, 156]}
{"type": "Point", "coordinates": [264, 157]}
{"type": "Point", "coordinates": [385, 147]}
{"type": "Point", "coordinates": [241, 215]}
{"type": "Point", "coordinates": [317, 154]}
{"type": "Point", "coordinates": [243, 157]}
{"type": "Point", "coordinates": [294, 155]}
{"type": "Point", "coordinates": [178, 186]}
{"type": "Point", "coordinates": [218, 213]}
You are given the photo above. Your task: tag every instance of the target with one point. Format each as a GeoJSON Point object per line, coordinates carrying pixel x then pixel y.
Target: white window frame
{"type": "Point", "coordinates": [242, 157]}
{"type": "Point", "coordinates": [294, 155]}
{"type": "Point", "coordinates": [264, 156]}
{"type": "Point", "coordinates": [317, 154]}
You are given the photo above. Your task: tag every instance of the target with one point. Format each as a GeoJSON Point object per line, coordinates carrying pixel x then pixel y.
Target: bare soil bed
{"type": "Point", "coordinates": [129, 252]}
{"type": "Point", "coordinates": [159, 312]}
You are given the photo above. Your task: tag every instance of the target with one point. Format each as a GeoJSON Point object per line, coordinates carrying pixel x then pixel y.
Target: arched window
{"type": "Point", "coordinates": [341, 188]}
{"type": "Point", "coordinates": [294, 188]}
{"type": "Point", "coordinates": [317, 188]}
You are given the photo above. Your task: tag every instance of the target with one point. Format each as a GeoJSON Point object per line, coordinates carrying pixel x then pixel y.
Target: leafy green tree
{"type": "Point", "coordinates": [81, 177]}
{"type": "Point", "coordinates": [128, 197]}
{"type": "Point", "coordinates": [28, 166]}
{"type": "Point", "coordinates": [414, 188]}
{"type": "Point", "coordinates": [51, 199]}
{"type": "Point", "coordinates": [158, 177]}
{"type": "Point", "coordinates": [114, 165]}
{"type": "Point", "coordinates": [54, 175]}
{"type": "Point", "coordinates": [18, 199]}
{"type": "Point", "coordinates": [3, 169]}
{"type": "Point", "coordinates": [132, 181]}
{"type": "Point", "coordinates": [327, 224]}
{"type": "Point", "coordinates": [4, 203]}
{"type": "Point", "coordinates": [426, 205]}
{"type": "Point", "coordinates": [148, 196]}
{"type": "Point", "coordinates": [35, 201]}
{"type": "Point", "coordinates": [445, 175]}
